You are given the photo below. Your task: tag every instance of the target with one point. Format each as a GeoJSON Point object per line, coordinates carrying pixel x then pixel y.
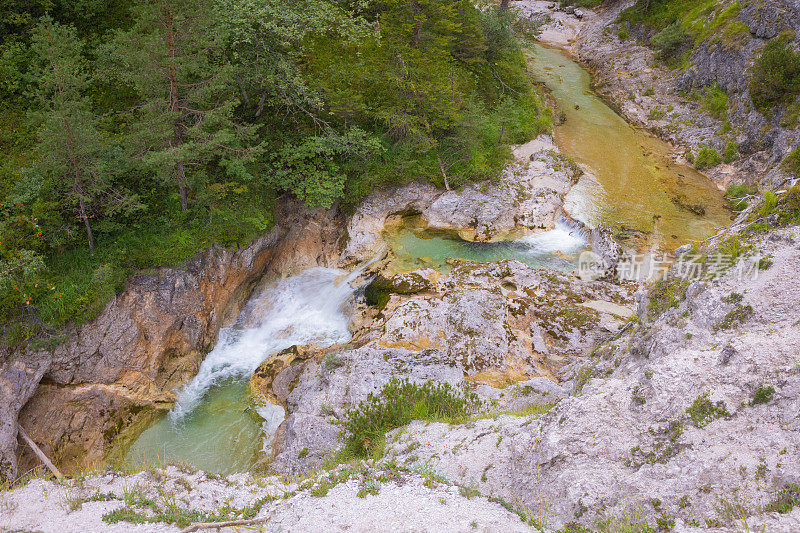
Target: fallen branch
{"type": "Point", "coordinates": [219, 525]}
{"type": "Point", "coordinates": [49, 464]}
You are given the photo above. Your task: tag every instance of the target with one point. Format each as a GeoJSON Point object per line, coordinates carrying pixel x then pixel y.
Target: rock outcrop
{"type": "Point", "coordinates": [75, 400]}
{"type": "Point", "coordinates": [692, 416]}
{"type": "Point", "coordinates": [528, 198]}
{"type": "Point", "coordinates": [498, 326]}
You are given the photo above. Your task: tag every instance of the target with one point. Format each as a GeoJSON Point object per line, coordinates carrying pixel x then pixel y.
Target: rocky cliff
{"type": "Point", "coordinates": [75, 400]}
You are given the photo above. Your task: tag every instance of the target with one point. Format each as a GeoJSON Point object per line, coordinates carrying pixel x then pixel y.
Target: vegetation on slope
{"type": "Point", "coordinates": [138, 134]}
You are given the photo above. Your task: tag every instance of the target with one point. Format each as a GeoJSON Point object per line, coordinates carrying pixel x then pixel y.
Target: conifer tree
{"type": "Point", "coordinates": [69, 143]}
{"type": "Point", "coordinates": [184, 121]}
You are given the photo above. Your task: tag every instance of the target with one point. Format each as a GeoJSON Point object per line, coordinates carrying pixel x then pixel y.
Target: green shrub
{"type": "Point", "coordinates": [623, 34]}
{"type": "Point", "coordinates": [790, 206]}
{"type": "Point", "coordinates": [400, 401]}
{"type": "Point", "coordinates": [787, 499]}
{"type": "Point", "coordinates": [715, 102]}
{"type": "Point", "coordinates": [703, 411]}
{"type": "Point", "coordinates": [763, 395]}
{"type": "Point", "coordinates": [736, 195]}
{"type": "Point", "coordinates": [666, 294]}
{"type": "Point", "coordinates": [792, 117]}
{"type": "Point", "coordinates": [775, 74]}
{"type": "Point", "coordinates": [707, 156]}
{"type": "Point", "coordinates": [730, 153]}
{"type": "Point", "coordinates": [670, 40]}
{"type": "Point", "coordinates": [792, 162]}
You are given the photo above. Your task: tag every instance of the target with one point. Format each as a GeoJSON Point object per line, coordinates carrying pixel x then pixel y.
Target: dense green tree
{"type": "Point", "coordinates": [69, 143]}
{"type": "Point", "coordinates": [185, 118]}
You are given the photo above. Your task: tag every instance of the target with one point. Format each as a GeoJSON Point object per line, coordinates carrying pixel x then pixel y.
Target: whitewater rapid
{"type": "Point", "coordinates": [309, 308]}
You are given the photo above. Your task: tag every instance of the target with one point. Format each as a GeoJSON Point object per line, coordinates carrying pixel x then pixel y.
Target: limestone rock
{"type": "Point", "coordinates": [528, 197]}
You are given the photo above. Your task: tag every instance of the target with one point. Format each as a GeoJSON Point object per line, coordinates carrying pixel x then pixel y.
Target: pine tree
{"type": "Point", "coordinates": [184, 121]}
{"type": "Point", "coordinates": [69, 143]}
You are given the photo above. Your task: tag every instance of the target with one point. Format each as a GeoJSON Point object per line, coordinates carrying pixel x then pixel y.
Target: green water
{"type": "Point", "coordinates": [222, 435]}
{"type": "Point", "coordinates": [635, 177]}
{"type": "Point", "coordinates": [556, 250]}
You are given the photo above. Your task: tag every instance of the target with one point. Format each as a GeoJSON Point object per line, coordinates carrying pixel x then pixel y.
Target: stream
{"type": "Point", "coordinates": [633, 187]}
{"type": "Point", "coordinates": [213, 425]}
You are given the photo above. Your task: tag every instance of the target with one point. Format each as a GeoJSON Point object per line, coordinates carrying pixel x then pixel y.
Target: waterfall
{"type": "Point", "coordinates": [305, 309]}
{"type": "Point", "coordinates": [567, 237]}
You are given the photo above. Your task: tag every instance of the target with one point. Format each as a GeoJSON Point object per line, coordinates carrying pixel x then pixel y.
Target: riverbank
{"type": "Point", "coordinates": [672, 103]}
{"type": "Point", "coordinates": [592, 404]}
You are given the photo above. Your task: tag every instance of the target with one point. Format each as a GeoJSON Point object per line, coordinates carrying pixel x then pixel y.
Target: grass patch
{"type": "Point", "coordinates": [787, 499]}
{"type": "Point", "coordinates": [763, 395]}
{"type": "Point", "coordinates": [666, 294]}
{"type": "Point", "coordinates": [715, 102]}
{"type": "Point", "coordinates": [398, 403]}
{"type": "Point", "coordinates": [141, 510]}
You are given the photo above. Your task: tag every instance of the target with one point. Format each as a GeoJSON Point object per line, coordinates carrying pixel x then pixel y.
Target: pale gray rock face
{"type": "Point", "coordinates": [634, 439]}
{"type": "Point", "coordinates": [510, 330]}
{"type": "Point", "coordinates": [400, 501]}
{"type": "Point", "coordinates": [527, 197]}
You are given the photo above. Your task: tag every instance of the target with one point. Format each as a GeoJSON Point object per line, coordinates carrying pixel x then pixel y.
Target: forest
{"type": "Point", "coordinates": [135, 134]}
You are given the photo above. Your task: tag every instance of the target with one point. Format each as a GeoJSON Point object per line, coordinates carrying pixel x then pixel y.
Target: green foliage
{"type": "Point", "coordinates": [188, 117]}
{"type": "Point", "coordinates": [736, 195]}
{"type": "Point", "coordinates": [730, 153]}
{"type": "Point", "coordinates": [141, 510]}
{"type": "Point", "coordinates": [775, 74]}
{"type": "Point", "coordinates": [792, 116]}
{"type": "Point", "coordinates": [666, 294]}
{"type": "Point", "coordinates": [787, 499]}
{"type": "Point", "coordinates": [172, 58]}
{"type": "Point", "coordinates": [670, 40]}
{"type": "Point", "coordinates": [707, 156]}
{"type": "Point", "coordinates": [763, 395]}
{"type": "Point", "coordinates": [400, 402]}
{"type": "Point", "coordinates": [792, 162]}
{"type": "Point", "coordinates": [703, 411]}
{"type": "Point", "coordinates": [715, 101]}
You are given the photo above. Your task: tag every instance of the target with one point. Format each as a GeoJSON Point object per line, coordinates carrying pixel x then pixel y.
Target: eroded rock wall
{"type": "Point", "coordinates": [150, 339]}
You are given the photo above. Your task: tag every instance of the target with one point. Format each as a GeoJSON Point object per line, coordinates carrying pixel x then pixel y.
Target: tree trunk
{"type": "Point", "coordinates": [85, 219]}
{"type": "Point", "coordinates": [179, 172]}
{"type": "Point", "coordinates": [444, 172]}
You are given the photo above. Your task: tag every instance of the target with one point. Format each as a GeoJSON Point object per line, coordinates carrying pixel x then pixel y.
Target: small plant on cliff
{"type": "Point", "coordinates": [737, 194]}
{"type": "Point", "coordinates": [703, 411]}
{"type": "Point", "coordinates": [763, 395]}
{"type": "Point", "coordinates": [666, 294]}
{"type": "Point", "coordinates": [670, 40]}
{"type": "Point", "coordinates": [715, 102]}
{"type": "Point", "coordinates": [398, 403]}
{"type": "Point", "coordinates": [730, 153]}
{"type": "Point", "coordinates": [787, 499]}
{"type": "Point", "coordinates": [707, 156]}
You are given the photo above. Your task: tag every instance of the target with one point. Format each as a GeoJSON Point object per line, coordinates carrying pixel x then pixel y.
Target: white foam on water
{"type": "Point", "coordinates": [565, 238]}
{"type": "Point", "coordinates": [305, 309]}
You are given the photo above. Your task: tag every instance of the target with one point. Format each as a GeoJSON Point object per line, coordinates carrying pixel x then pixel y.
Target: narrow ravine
{"type": "Point", "coordinates": [634, 184]}
{"type": "Point", "coordinates": [631, 184]}
{"type": "Point", "coordinates": [213, 424]}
